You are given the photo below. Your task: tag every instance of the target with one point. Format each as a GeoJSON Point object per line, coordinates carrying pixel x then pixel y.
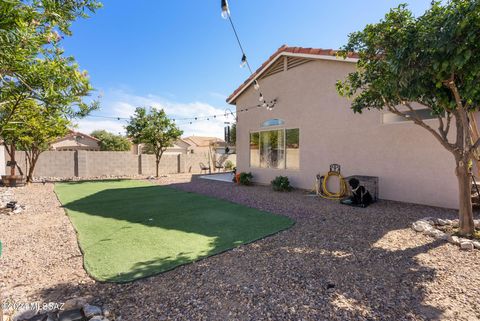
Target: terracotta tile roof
{"type": "Point", "coordinates": [287, 49]}
{"type": "Point", "coordinates": [75, 133]}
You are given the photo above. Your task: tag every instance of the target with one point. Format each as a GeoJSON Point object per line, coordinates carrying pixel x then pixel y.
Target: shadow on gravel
{"type": "Point", "coordinates": [334, 264]}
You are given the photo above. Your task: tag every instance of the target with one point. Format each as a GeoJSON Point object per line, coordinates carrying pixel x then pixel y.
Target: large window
{"type": "Point", "coordinates": [277, 148]}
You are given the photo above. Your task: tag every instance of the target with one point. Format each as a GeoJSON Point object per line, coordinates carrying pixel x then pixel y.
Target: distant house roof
{"type": "Point", "coordinates": [310, 53]}
{"type": "Point", "coordinates": [73, 133]}
{"type": "Point", "coordinates": [202, 141]}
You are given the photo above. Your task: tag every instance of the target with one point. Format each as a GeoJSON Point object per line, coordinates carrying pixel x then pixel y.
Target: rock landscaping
{"type": "Point", "coordinates": [335, 263]}
{"type": "Point", "coordinates": [442, 229]}
{"type": "Point", "coordinates": [8, 204]}
{"type": "Point", "coordinates": [72, 310]}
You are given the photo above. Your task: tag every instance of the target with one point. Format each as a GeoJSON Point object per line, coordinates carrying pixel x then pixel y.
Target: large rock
{"type": "Point", "coordinates": [91, 310]}
{"type": "Point", "coordinates": [442, 222]}
{"type": "Point", "coordinates": [454, 239]}
{"type": "Point", "coordinates": [476, 244]}
{"type": "Point", "coordinates": [98, 318]}
{"type": "Point", "coordinates": [467, 246]}
{"type": "Point", "coordinates": [24, 314]}
{"type": "Point", "coordinates": [71, 315]}
{"type": "Point", "coordinates": [439, 235]}
{"type": "Point", "coordinates": [421, 226]}
{"type": "Point", "coordinates": [75, 303]}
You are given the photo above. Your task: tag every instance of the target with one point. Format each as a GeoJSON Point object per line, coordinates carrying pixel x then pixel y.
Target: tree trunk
{"type": "Point", "coordinates": [158, 157]}
{"type": "Point", "coordinates": [157, 163]}
{"type": "Point", "coordinates": [32, 158]}
{"type": "Point", "coordinates": [12, 159]}
{"type": "Point", "coordinates": [9, 152]}
{"type": "Point", "coordinates": [464, 177]}
{"type": "Point", "coordinates": [31, 169]}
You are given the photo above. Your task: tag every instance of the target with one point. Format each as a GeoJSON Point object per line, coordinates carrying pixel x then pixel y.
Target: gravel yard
{"type": "Point", "coordinates": [335, 263]}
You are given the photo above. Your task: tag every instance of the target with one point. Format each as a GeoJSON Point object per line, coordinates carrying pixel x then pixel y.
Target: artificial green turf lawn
{"type": "Point", "coordinates": [132, 229]}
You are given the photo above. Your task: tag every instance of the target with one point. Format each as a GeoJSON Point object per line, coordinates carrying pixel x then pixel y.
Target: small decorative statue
{"type": "Point", "coordinates": [360, 196]}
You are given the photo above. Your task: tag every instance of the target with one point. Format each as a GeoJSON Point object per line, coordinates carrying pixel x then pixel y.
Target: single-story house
{"type": "Point", "coordinates": [179, 147]}
{"type": "Point", "coordinates": [311, 127]}
{"type": "Point", "coordinates": [76, 141]}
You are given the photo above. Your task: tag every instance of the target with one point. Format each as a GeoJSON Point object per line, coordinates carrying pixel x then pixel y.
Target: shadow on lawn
{"type": "Point", "coordinates": [328, 266]}
{"type": "Point", "coordinates": [209, 225]}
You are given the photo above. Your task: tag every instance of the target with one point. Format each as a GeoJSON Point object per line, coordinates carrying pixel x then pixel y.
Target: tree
{"type": "Point", "coordinates": [433, 61]}
{"type": "Point", "coordinates": [154, 129]}
{"type": "Point", "coordinates": [32, 129]}
{"type": "Point", "coordinates": [32, 65]}
{"type": "Point", "coordinates": [233, 135]}
{"type": "Point", "coordinates": [111, 142]}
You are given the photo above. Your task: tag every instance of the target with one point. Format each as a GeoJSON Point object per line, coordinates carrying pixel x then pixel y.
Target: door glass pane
{"type": "Point", "coordinates": [293, 148]}
{"type": "Point", "coordinates": [272, 149]}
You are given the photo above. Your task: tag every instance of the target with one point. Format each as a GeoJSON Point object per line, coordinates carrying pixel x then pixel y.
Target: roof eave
{"type": "Point", "coordinates": [231, 100]}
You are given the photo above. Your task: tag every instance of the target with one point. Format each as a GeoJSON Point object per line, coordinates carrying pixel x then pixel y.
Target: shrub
{"type": "Point", "coordinates": [228, 165]}
{"type": "Point", "coordinates": [245, 178]}
{"type": "Point", "coordinates": [281, 184]}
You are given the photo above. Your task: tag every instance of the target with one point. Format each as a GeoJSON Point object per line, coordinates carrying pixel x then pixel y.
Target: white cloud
{"type": "Point", "coordinates": [87, 126]}
{"type": "Point", "coordinates": [117, 103]}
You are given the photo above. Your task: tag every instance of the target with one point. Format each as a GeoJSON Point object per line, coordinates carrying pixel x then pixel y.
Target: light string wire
{"type": "Point", "coordinates": [190, 120]}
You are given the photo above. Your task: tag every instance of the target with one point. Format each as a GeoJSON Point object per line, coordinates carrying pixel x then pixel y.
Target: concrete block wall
{"type": "Point", "coordinates": [50, 163]}
{"type": "Point", "coordinates": [169, 164]}
{"type": "Point", "coordinates": [109, 163]}
{"type": "Point", "coordinates": [96, 163]}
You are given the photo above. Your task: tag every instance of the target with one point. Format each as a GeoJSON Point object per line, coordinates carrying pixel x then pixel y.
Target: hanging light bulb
{"type": "Point", "coordinates": [225, 9]}
{"type": "Point", "coordinates": [243, 63]}
{"type": "Point", "coordinates": [264, 104]}
{"type": "Point", "coordinates": [256, 85]}
{"type": "Point", "coordinates": [260, 98]}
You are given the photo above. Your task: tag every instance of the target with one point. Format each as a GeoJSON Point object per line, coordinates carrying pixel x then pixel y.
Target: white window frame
{"type": "Point", "coordinates": [273, 128]}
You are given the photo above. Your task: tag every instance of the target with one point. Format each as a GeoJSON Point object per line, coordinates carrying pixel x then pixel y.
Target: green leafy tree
{"type": "Point", "coordinates": [233, 135]}
{"type": "Point", "coordinates": [112, 142]}
{"type": "Point", "coordinates": [32, 65]}
{"type": "Point", "coordinates": [433, 61]}
{"type": "Point", "coordinates": [32, 129]}
{"type": "Point", "coordinates": [154, 129]}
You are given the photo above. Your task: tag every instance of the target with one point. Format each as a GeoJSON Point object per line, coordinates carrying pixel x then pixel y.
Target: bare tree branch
{"type": "Point", "coordinates": [461, 117]}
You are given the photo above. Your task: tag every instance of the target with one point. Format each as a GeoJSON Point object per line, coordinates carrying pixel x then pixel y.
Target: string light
{"type": "Point", "coordinates": [225, 9]}
{"type": "Point", "coordinates": [190, 120]}
{"type": "Point", "coordinates": [244, 62]}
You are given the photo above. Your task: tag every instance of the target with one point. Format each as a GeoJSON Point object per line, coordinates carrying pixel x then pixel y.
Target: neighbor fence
{"type": "Point", "coordinates": [96, 163]}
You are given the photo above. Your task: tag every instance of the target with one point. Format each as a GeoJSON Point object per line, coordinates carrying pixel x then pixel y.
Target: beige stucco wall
{"type": "Point", "coordinates": [79, 143]}
{"type": "Point", "coordinates": [411, 165]}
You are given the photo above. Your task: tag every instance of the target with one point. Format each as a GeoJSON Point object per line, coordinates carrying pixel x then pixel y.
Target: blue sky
{"type": "Point", "coordinates": [182, 56]}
